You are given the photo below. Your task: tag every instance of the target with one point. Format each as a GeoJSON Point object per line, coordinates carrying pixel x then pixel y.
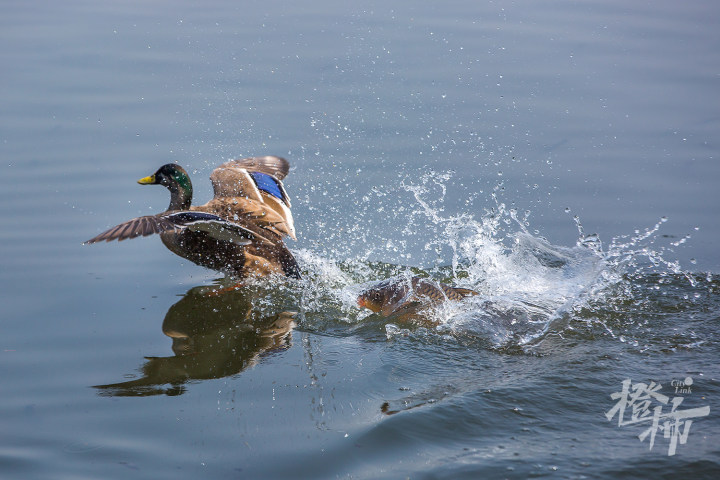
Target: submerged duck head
{"type": "Point", "coordinates": [174, 178]}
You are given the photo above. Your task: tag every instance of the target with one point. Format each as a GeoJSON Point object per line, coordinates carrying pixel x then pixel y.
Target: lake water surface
{"type": "Point", "coordinates": [561, 158]}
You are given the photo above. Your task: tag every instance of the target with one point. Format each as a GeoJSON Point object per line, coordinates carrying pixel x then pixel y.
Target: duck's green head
{"type": "Point", "coordinates": [176, 179]}
{"type": "Point", "coordinates": [167, 175]}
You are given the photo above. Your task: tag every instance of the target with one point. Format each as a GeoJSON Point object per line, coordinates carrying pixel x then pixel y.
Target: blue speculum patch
{"type": "Point", "coordinates": [268, 184]}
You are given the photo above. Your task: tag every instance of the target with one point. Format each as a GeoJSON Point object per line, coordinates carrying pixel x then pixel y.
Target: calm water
{"type": "Point", "coordinates": [560, 158]}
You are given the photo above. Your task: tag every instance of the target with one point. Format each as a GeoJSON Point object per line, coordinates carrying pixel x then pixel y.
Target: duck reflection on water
{"type": "Point", "coordinates": [214, 334]}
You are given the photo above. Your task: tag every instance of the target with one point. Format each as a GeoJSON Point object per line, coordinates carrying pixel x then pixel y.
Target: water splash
{"type": "Point", "coordinates": [529, 289]}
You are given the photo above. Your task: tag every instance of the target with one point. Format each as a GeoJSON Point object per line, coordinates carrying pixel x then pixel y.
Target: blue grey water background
{"type": "Point", "coordinates": [539, 123]}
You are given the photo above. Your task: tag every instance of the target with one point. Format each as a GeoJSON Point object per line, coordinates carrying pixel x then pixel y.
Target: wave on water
{"type": "Point", "coordinates": [529, 289]}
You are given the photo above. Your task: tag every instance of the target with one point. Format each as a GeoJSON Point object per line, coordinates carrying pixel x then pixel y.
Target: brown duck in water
{"type": "Point", "coordinates": [239, 232]}
{"type": "Point", "coordinates": [406, 296]}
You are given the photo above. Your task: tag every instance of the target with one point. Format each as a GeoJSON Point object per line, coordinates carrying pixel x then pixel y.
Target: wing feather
{"type": "Point", "coordinates": [278, 167]}
{"type": "Point", "coordinates": [214, 225]}
{"type": "Point", "coordinates": [140, 226]}
{"type": "Point", "coordinates": [235, 209]}
{"type": "Point", "coordinates": [232, 181]}
{"type": "Point", "coordinates": [237, 194]}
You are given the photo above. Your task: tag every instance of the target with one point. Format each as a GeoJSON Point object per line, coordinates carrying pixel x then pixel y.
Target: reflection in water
{"type": "Point", "coordinates": [214, 335]}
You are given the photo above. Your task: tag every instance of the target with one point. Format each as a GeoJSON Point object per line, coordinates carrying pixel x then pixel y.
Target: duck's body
{"type": "Point", "coordinates": [237, 260]}
{"type": "Point", "coordinates": [239, 232]}
{"type": "Point", "coordinates": [400, 296]}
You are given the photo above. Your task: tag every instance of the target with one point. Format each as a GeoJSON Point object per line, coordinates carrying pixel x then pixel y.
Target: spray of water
{"type": "Point", "coordinates": [528, 288]}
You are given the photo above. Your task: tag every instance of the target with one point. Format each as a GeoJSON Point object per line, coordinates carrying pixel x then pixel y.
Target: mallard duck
{"type": "Point", "coordinates": [239, 232]}
{"type": "Point", "coordinates": [403, 295]}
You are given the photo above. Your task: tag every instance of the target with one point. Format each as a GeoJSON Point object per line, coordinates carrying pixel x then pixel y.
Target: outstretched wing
{"type": "Point", "coordinates": [140, 226]}
{"type": "Point", "coordinates": [252, 187]}
{"type": "Point", "coordinates": [213, 225]}
{"type": "Point", "coordinates": [248, 177]}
